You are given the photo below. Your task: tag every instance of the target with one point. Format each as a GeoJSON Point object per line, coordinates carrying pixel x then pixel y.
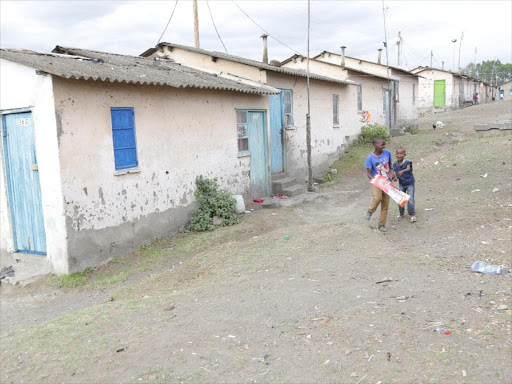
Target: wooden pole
{"type": "Point", "coordinates": [308, 115]}
{"type": "Point", "coordinates": [196, 25]}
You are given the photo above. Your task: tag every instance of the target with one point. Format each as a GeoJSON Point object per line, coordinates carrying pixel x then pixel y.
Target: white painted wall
{"type": "Point", "coordinates": [328, 141]}
{"type": "Point", "coordinates": [372, 91]}
{"type": "Point", "coordinates": [199, 60]}
{"type": "Point", "coordinates": [21, 87]}
{"type": "Point", "coordinates": [326, 138]}
{"type": "Point", "coordinates": [181, 134]}
{"type": "Point", "coordinates": [407, 111]}
{"type": "Point", "coordinates": [426, 88]}
{"type": "Point", "coordinates": [507, 87]}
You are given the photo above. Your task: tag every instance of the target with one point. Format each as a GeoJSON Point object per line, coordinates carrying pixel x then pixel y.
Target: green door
{"type": "Point", "coordinates": [439, 93]}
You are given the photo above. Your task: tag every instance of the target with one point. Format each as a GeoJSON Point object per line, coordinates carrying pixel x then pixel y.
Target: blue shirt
{"type": "Point", "coordinates": [373, 162]}
{"type": "Point", "coordinates": [407, 178]}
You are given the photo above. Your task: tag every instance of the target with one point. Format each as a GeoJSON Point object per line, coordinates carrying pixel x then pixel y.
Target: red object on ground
{"type": "Point", "coordinates": [258, 201]}
{"type": "Point", "coordinates": [447, 333]}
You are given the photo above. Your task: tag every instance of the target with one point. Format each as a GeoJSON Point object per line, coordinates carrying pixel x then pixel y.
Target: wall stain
{"type": "Point", "coordinates": [100, 192]}
{"type": "Point", "coordinates": [58, 121]}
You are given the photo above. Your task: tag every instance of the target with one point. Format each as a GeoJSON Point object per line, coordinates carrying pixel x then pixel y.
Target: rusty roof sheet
{"type": "Point", "coordinates": [106, 67]}
{"type": "Point", "coordinates": [252, 63]}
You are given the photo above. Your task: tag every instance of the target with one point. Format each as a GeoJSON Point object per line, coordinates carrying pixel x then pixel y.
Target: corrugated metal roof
{"type": "Point", "coordinates": [252, 63]}
{"type": "Point", "coordinates": [364, 73]}
{"type": "Point", "coordinates": [371, 62]}
{"type": "Point", "coordinates": [100, 66]}
{"type": "Point", "coordinates": [421, 69]}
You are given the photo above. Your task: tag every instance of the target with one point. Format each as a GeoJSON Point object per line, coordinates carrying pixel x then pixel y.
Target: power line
{"type": "Point", "coordinates": [170, 18]}
{"type": "Point", "coordinates": [263, 29]}
{"type": "Point", "coordinates": [214, 26]}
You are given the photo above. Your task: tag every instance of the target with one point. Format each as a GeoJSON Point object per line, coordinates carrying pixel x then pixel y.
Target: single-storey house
{"type": "Point", "coordinates": [439, 88]}
{"type": "Point", "coordinates": [100, 151]}
{"type": "Point", "coordinates": [403, 85]}
{"type": "Point", "coordinates": [332, 129]}
{"type": "Point", "coordinates": [507, 90]}
{"type": "Point", "coordinates": [372, 95]}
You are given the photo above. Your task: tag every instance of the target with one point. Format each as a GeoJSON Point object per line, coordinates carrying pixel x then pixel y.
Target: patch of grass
{"type": "Point", "coordinates": [352, 159]}
{"type": "Point", "coordinates": [73, 279]}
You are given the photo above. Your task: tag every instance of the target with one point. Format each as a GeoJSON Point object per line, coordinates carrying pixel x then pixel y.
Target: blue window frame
{"type": "Point", "coordinates": [123, 137]}
{"type": "Point", "coordinates": [287, 100]}
{"type": "Point", "coordinates": [242, 133]}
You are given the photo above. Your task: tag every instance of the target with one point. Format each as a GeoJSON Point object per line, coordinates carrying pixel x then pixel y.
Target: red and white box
{"type": "Point", "coordinates": [387, 187]}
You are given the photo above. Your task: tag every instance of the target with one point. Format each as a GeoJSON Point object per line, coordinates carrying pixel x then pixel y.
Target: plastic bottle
{"type": "Point", "coordinates": [482, 267]}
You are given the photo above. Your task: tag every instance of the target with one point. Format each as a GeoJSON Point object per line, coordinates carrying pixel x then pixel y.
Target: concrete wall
{"type": "Point", "coordinates": [372, 89]}
{"type": "Point", "coordinates": [327, 140]}
{"type": "Point", "coordinates": [22, 88]}
{"type": "Point", "coordinates": [426, 89]}
{"type": "Point", "coordinates": [407, 105]}
{"type": "Point", "coordinates": [108, 215]}
{"type": "Point", "coordinates": [507, 87]}
{"type": "Point", "coordinates": [199, 60]}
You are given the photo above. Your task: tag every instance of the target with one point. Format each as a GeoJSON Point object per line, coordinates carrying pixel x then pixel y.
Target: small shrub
{"type": "Point", "coordinates": [414, 130]}
{"type": "Point", "coordinates": [371, 131]}
{"type": "Point", "coordinates": [213, 201]}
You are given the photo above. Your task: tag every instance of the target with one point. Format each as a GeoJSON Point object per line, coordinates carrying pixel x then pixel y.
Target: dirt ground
{"type": "Point", "coordinates": [307, 293]}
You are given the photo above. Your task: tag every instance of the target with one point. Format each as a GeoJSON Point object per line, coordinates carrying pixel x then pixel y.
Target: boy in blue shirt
{"type": "Point", "coordinates": [379, 162]}
{"type": "Point", "coordinates": [403, 170]}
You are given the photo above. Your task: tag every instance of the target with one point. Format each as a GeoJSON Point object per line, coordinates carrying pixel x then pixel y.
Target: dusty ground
{"type": "Point", "coordinates": [242, 304]}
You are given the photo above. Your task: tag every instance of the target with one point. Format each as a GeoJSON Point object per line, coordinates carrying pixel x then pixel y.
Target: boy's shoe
{"type": "Point", "coordinates": [400, 216]}
{"type": "Point", "coordinates": [382, 228]}
{"type": "Point", "coordinates": [413, 219]}
{"type": "Point", "coordinates": [368, 215]}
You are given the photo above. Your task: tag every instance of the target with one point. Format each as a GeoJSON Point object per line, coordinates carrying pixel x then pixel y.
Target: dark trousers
{"type": "Point", "coordinates": [409, 189]}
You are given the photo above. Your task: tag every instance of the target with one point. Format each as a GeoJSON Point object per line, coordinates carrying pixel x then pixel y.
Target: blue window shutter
{"type": "Point", "coordinates": [123, 137]}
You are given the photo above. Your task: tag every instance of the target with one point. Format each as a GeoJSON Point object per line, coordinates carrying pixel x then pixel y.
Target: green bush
{"type": "Point", "coordinates": [371, 131]}
{"type": "Point", "coordinates": [213, 201]}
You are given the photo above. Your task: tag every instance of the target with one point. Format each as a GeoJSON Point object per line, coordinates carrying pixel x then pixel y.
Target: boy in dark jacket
{"type": "Point", "coordinates": [403, 170]}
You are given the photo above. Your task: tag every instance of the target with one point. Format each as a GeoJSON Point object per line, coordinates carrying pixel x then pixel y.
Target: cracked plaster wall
{"type": "Point", "coordinates": [180, 133]}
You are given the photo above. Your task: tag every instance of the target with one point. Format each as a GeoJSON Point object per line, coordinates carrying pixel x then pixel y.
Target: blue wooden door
{"type": "Point", "coordinates": [257, 133]}
{"type": "Point", "coordinates": [23, 183]}
{"type": "Point", "coordinates": [276, 134]}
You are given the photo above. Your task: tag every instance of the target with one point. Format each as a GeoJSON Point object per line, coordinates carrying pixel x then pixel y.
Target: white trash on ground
{"type": "Point", "coordinates": [483, 267]}
{"type": "Point", "coordinates": [240, 205]}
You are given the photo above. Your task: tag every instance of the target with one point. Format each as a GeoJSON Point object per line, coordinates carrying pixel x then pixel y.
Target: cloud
{"type": "Point", "coordinates": [133, 26]}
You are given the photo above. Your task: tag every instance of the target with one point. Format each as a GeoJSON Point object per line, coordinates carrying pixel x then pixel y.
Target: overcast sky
{"type": "Point", "coordinates": [131, 27]}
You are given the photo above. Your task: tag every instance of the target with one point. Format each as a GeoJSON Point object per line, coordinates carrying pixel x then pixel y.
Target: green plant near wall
{"type": "Point", "coordinates": [371, 131]}
{"type": "Point", "coordinates": [213, 201]}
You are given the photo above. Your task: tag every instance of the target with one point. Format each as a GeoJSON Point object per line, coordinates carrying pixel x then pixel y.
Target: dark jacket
{"type": "Point", "coordinates": [407, 178]}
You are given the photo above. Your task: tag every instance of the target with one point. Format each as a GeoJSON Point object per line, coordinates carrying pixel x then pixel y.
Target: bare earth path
{"type": "Point", "coordinates": [242, 304]}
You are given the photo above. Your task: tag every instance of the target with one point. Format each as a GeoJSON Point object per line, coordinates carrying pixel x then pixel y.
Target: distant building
{"type": "Point", "coordinates": [439, 88]}
{"type": "Point", "coordinates": [507, 90]}
{"type": "Point", "coordinates": [403, 85]}
{"type": "Point", "coordinates": [373, 94]}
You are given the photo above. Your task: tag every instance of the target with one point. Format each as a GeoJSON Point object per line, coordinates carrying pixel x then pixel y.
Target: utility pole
{"type": "Point", "coordinates": [453, 62]}
{"type": "Point", "coordinates": [460, 45]}
{"type": "Point", "coordinates": [398, 46]}
{"type": "Point", "coordinates": [431, 57]}
{"type": "Point", "coordinates": [308, 115]}
{"type": "Point", "coordinates": [196, 25]}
